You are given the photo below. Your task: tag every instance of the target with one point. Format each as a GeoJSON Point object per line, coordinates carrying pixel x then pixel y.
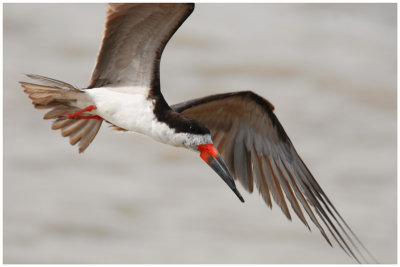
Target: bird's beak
{"type": "Point", "coordinates": [211, 156]}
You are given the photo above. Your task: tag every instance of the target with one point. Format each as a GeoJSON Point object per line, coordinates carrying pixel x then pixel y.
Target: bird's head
{"type": "Point", "coordinates": [195, 136]}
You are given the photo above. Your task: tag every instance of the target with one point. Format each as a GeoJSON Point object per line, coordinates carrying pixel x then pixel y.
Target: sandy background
{"type": "Point", "coordinates": [330, 71]}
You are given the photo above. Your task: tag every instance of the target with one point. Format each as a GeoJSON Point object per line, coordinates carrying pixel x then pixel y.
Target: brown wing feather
{"type": "Point", "coordinates": [257, 150]}
{"type": "Point", "coordinates": [134, 39]}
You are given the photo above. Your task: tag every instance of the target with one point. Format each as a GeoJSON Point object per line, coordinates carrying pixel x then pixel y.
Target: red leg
{"type": "Point", "coordinates": [87, 117]}
{"type": "Point", "coordinates": [89, 108]}
{"type": "Point", "coordinates": [76, 115]}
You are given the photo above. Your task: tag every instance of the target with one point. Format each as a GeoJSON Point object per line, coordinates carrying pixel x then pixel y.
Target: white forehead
{"type": "Point", "coordinates": [192, 140]}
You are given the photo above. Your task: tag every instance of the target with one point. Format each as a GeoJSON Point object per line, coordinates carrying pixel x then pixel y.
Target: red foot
{"type": "Point", "coordinates": [87, 117]}
{"type": "Point", "coordinates": [76, 115]}
{"type": "Point", "coordinates": [89, 108]}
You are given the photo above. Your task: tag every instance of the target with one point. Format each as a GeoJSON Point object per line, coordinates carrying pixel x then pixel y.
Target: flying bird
{"type": "Point", "coordinates": [237, 134]}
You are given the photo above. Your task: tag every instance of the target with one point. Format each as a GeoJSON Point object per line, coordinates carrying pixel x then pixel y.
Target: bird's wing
{"type": "Point", "coordinates": [258, 152]}
{"type": "Point", "coordinates": [134, 39]}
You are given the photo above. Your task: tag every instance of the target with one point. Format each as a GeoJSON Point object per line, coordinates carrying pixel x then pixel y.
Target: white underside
{"type": "Point", "coordinates": [130, 109]}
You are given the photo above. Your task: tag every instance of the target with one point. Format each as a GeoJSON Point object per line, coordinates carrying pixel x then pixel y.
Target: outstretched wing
{"type": "Point", "coordinates": [258, 152]}
{"type": "Point", "coordinates": [134, 39]}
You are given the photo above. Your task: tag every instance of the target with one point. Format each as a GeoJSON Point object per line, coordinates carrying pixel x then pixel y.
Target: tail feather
{"type": "Point", "coordinates": [56, 112]}
{"type": "Point", "coordinates": [61, 99]}
{"type": "Point", "coordinates": [91, 134]}
{"type": "Point", "coordinates": [78, 134]}
{"type": "Point", "coordinates": [51, 82]}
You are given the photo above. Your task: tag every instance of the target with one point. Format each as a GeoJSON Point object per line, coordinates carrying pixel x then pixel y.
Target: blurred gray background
{"type": "Point", "coordinates": [330, 71]}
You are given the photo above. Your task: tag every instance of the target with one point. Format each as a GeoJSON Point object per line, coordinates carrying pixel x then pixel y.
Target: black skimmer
{"type": "Point", "coordinates": [240, 127]}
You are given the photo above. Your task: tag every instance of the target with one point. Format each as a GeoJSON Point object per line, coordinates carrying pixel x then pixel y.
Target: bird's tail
{"type": "Point", "coordinates": [61, 99]}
